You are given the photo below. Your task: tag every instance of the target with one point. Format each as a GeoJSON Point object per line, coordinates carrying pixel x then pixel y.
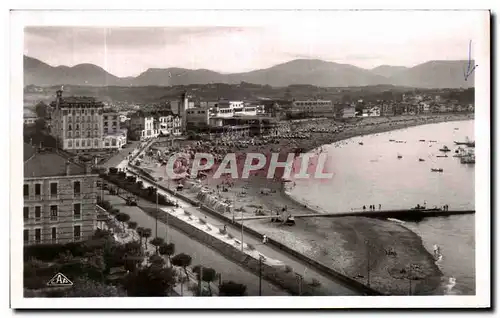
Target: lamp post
{"type": "Point", "coordinates": [242, 230]}
{"type": "Point", "coordinates": [260, 274]}
{"type": "Point", "coordinates": [300, 283]}
{"type": "Point", "coordinates": [367, 263]}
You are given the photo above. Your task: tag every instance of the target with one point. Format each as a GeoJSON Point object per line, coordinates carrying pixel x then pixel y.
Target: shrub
{"type": "Point", "coordinates": [229, 235]}
{"type": "Point", "coordinates": [222, 231]}
{"type": "Point", "coordinates": [132, 225]}
{"type": "Point", "coordinates": [157, 241]}
{"type": "Point", "coordinates": [114, 211]}
{"type": "Point", "coordinates": [230, 288]}
{"type": "Point", "coordinates": [202, 221]}
{"type": "Point", "coordinates": [132, 179]}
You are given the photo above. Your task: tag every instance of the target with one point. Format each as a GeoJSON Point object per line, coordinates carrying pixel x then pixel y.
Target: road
{"type": "Point", "coordinates": [200, 253]}
{"type": "Point", "coordinates": [335, 287]}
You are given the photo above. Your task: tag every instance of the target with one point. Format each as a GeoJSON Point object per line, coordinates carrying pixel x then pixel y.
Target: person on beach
{"type": "Point", "coordinates": [380, 207]}
{"type": "Point", "coordinates": [364, 208]}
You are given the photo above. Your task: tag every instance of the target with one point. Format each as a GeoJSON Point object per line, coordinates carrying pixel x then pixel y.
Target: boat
{"type": "Point", "coordinates": [468, 158]}
{"type": "Point", "coordinates": [432, 140]}
{"type": "Point", "coordinates": [444, 149]}
{"type": "Point", "coordinates": [420, 159]}
{"type": "Point", "coordinates": [437, 170]}
{"type": "Point", "coordinates": [422, 140]}
{"type": "Point", "coordinates": [391, 140]}
{"type": "Point", "coordinates": [361, 143]}
{"type": "Point", "coordinates": [399, 156]}
{"type": "Point", "coordinates": [467, 143]}
{"type": "Point", "coordinates": [444, 156]}
{"type": "Point", "coordinates": [456, 128]}
{"type": "Point", "coordinates": [395, 220]}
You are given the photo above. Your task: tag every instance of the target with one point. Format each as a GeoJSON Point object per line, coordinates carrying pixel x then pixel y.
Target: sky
{"type": "Point", "coordinates": [364, 39]}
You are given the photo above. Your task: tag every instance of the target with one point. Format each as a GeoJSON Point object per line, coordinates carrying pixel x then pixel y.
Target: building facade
{"type": "Point", "coordinates": [59, 199]}
{"type": "Point", "coordinates": [314, 108]}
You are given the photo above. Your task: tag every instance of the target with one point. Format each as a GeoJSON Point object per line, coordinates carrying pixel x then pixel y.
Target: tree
{"type": "Point", "coordinates": [156, 242]}
{"type": "Point", "coordinates": [169, 250]}
{"type": "Point", "coordinates": [41, 110]}
{"type": "Point", "coordinates": [132, 225]}
{"type": "Point", "coordinates": [157, 260]}
{"type": "Point", "coordinates": [123, 218]}
{"type": "Point", "coordinates": [146, 233]}
{"type": "Point", "coordinates": [206, 275]}
{"type": "Point", "coordinates": [140, 231]}
{"type": "Point", "coordinates": [182, 260]}
{"type": "Point", "coordinates": [151, 281]}
{"type": "Point", "coordinates": [84, 287]}
{"type": "Point", "coordinates": [230, 288]}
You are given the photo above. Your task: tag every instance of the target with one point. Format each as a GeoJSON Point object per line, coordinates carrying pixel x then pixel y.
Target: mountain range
{"type": "Point", "coordinates": [432, 74]}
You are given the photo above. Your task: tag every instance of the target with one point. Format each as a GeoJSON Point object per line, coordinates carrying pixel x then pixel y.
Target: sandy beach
{"type": "Point", "coordinates": [344, 244]}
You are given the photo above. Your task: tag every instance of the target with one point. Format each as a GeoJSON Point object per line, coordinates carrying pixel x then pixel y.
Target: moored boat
{"type": "Point", "coordinates": [437, 169]}
{"type": "Point", "coordinates": [444, 149]}
{"type": "Point", "coordinates": [420, 159]}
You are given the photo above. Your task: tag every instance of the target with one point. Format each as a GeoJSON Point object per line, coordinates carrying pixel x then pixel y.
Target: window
{"type": "Point", "coordinates": [77, 232]}
{"type": "Point", "coordinates": [69, 134]}
{"type": "Point", "coordinates": [77, 143]}
{"type": "Point", "coordinates": [53, 235]}
{"type": "Point", "coordinates": [38, 189]}
{"type": "Point", "coordinates": [105, 117]}
{"type": "Point", "coordinates": [96, 143]}
{"type": "Point", "coordinates": [70, 143]}
{"type": "Point", "coordinates": [38, 213]}
{"type": "Point", "coordinates": [77, 127]}
{"type": "Point", "coordinates": [26, 190]}
{"type": "Point", "coordinates": [77, 211]}
{"type": "Point", "coordinates": [26, 213]}
{"type": "Point", "coordinates": [26, 235]}
{"type": "Point", "coordinates": [53, 189]}
{"type": "Point", "coordinates": [38, 235]}
{"type": "Point", "coordinates": [76, 187]}
{"type": "Point", "coordinates": [113, 142]}
{"type": "Point", "coordinates": [69, 127]}
{"type": "Point", "coordinates": [53, 212]}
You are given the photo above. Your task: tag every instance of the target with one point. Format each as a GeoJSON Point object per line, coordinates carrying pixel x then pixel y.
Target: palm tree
{"type": "Point", "coordinates": [156, 242]}
{"type": "Point", "coordinates": [182, 260]}
{"type": "Point", "coordinates": [140, 231]}
{"type": "Point", "coordinates": [169, 250]}
{"type": "Point", "coordinates": [123, 218]}
{"type": "Point", "coordinates": [205, 274]}
{"type": "Point", "coordinates": [146, 234]}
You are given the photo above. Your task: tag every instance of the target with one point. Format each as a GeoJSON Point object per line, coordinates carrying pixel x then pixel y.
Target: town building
{"type": "Point", "coordinates": [29, 120]}
{"type": "Point", "coordinates": [59, 198]}
{"type": "Point", "coordinates": [168, 124]}
{"type": "Point", "coordinates": [142, 126]}
{"type": "Point", "coordinates": [314, 108]}
{"type": "Point", "coordinates": [197, 118]}
{"type": "Point", "coordinates": [77, 123]}
{"type": "Point", "coordinates": [344, 111]}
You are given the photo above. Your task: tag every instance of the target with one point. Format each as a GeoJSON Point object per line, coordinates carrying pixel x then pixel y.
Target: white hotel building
{"type": "Point", "coordinates": [81, 124]}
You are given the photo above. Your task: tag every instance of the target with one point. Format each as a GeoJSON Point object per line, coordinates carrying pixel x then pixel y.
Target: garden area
{"type": "Point", "coordinates": [119, 261]}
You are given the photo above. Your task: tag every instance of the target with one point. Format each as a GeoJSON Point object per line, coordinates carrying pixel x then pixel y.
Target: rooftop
{"type": "Point", "coordinates": [49, 164]}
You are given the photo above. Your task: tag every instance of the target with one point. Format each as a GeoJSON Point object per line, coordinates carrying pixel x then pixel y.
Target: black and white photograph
{"type": "Point", "coordinates": [257, 154]}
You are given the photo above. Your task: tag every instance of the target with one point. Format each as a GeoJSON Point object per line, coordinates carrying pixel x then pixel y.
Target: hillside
{"type": "Point", "coordinates": [433, 74]}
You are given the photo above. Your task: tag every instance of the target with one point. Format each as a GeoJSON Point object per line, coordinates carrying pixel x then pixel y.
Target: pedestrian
{"type": "Point", "coordinates": [364, 208]}
{"type": "Point", "coordinates": [225, 228]}
{"type": "Point", "coordinates": [380, 207]}
{"type": "Point", "coordinates": [264, 239]}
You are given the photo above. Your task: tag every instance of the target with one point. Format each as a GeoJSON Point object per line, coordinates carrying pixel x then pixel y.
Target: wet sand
{"type": "Point", "coordinates": [344, 244]}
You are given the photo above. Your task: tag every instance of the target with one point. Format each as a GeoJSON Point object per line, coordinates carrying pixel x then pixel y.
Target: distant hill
{"type": "Point", "coordinates": [388, 70]}
{"type": "Point", "coordinates": [38, 73]}
{"type": "Point", "coordinates": [433, 74]}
